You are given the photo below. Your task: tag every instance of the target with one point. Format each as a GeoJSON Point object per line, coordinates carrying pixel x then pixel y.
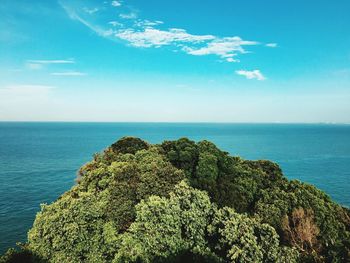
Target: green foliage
{"type": "Point", "coordinates": [129, 145]}
{"type": "Point", "coordinates": [229, 181]}
{"type": "Point", "coordinates": [259, 188]}
{"type": "Point", "coordinates": [183, 201]}
{"type": "Point", "coordinates": [84, 223]}
{"type": "Point", "coordinates": [275, 203]}
{"type": "Point", "coordinates": [188, 221]}
{"type": "Point", "coordinates": [21, 255]}
{"type": "Point", "coordinates": [243, 239]}
{"type": "Point", "coordinates": [166, 227]}
{"type": "Point", "coordinates": [182, 153]}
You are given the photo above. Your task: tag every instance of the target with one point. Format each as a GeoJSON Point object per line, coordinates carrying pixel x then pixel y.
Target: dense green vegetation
{"type": "Point", "coordinates": [182, 201]}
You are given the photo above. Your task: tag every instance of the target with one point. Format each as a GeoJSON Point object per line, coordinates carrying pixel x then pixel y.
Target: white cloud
{"type": "Point", "coordinates": [57, 61]}
{"type": "Point", "coordinates": [232, 60]}
{"type": "Point", "coordinates": [115, 23]}
{"type": "Point", "coordinates": [116, 3]}
{"type": "Point", "coordinates": [151, 33]}
{"type": "Point", "coordinates": [152, 37]}
{"type": "Point", "coordinates": [253, 74]}
{"type": "Point", "coordinates": [39, 64]}
{"type": "Point", "coordinates": [147, 23]}
{"type": "Point", "coordinates": [90, 11]}
{"type": "Point", "coordinates": [73, 15]}
{"type": "Point", "coordinates": [271, 45]}
{"type": "Point", "coordinates": [131, 15]}
{"type": "Point", "coordinates": [69, 73]}
{"type": "Point", "coordinates": [226, 48]}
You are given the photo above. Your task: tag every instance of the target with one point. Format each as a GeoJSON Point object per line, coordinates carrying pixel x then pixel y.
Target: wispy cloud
{"type": "Point", "coordinates": [116, 3]}
{"type": "Point", "coordinates": [33, 64]}
{"type": "Point", "coordinates": [152, 37]}
{"type": "Point", "coordinates": [198, 45]}
{"type": "Point", "coordinates": [253, 74]}
{"type": "Point", "coordinates": [73, 15]}
{"type": "Point", "coordinates": [226, 48]}
{"type": "Point", "coordinates": [115, 23]}
{"type": "Point", "coordinates": [90, 10]}
{"type": "Point", "coordinates": [145, 33]}
{"type": "Point", "coordinates": [271, 45]}
{"type": "Point", "coordinates": [57, 61]}
{"type": "Point", "coordinates": [131, 15]}
{"type": "Point", "coordinates": [69, 73]}
{"type": "Point", "coordinates": [143, 23]}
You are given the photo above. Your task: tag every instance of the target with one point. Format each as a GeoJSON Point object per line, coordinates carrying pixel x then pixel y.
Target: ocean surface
{"type": "Point", "coordinates": [38, 161]}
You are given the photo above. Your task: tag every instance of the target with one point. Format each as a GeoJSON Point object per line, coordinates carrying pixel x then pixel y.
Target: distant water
{"type": "Point", "coordinates": [38, 161]}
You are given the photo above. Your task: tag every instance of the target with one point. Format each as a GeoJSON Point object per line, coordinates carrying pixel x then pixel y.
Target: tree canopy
{"type": "Point", "coordinates": [182, 201]}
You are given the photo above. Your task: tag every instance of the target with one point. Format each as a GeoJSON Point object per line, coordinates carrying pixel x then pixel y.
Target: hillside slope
{"type": "Point", "coordinates": [184, 201]}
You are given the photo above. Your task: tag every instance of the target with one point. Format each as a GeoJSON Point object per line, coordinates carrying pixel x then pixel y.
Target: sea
{"type": "Point", "coordinates": [39, 160]}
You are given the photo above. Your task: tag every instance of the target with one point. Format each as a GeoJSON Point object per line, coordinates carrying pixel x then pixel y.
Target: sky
{"type": "Point", "coordinates": [175, 61]}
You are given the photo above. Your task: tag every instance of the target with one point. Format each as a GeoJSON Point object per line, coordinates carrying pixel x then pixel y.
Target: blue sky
{"type": "Point", "coordinates": [182, 61]}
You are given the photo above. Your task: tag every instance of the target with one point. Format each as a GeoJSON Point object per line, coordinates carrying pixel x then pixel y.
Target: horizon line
{"type": "Point", "coordinates": [176, 122]}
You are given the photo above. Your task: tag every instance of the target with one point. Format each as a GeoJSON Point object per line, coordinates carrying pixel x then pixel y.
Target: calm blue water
{"type": "Point", "coordinates": [38, 161]}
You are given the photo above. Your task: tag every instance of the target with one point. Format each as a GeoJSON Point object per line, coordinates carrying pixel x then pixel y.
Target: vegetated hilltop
{"type": "Point", "coordinates": [182, 201]}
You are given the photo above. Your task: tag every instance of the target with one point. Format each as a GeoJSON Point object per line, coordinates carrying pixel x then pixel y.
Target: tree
{"type": "Point", "coordinates": [84, 223]}
{"type": "Point", "coordinates": [129, 145]}
{"type": "Point", "coordinates": [22, 254]}
{"type": "Point", "coordinates": [188, 222]}
{"type": "Point", "coordinates": [183, 200]}
{"type": "Point", "coordinates": [166, 227]}
{"type": "Point", "coordinates": [239, 238]}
